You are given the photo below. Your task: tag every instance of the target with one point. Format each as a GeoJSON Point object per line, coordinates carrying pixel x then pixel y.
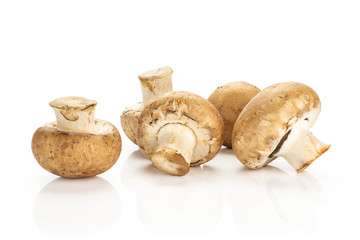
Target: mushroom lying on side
{"type": "Point", "coordinates": [179, 130]}
{"type": "Point", "coordinates": [153, 83]}
{"type": "Point", "coordinates": [77, 145]}
{"type": "Point", "coordinates": [230, 100]}
{"type": "Point", "coordinates": [275, 123]}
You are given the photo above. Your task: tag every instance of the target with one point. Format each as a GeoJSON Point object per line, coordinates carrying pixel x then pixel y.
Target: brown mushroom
{"type": "Point", "coordinates": [77, 145]}
{"type": "Point", "coordinates": [179, 130]}
{"type": "Point", "coordinates": [153, 84]}
{"type": "Point", "coordinates": [275, 123]}
{"type": "Point", "coordinates": [230, 100]}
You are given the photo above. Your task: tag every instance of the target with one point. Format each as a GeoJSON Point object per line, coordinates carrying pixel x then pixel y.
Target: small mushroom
{"type": "Point", "coordinates": [230, 100]}
{"type": "Point", "coordinates": [275, 123]}
{"type": "Point", "coordinates": [179, 130]}
{"type": "Point", "coordinates": [77, 145]}
{"type": "Point", "coordinates": [153, 84]}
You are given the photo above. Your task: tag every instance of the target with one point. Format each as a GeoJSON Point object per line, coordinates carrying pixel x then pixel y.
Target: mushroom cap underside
{"type": "Point", "coordinates": [76, 155]}
{"type": "Point", "coordinates": [189, 110]}
{"type": "Point", "coordinates": [268, 117]}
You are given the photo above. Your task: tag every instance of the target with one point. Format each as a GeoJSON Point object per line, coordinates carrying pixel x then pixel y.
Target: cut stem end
{"type": "Point", "coordinates": [175, 146]}
{"type": "Point", "coordinates": [75, 114]}
{"type": "Point", "coordinates": [155, 83]}
{"type": "Point", "coordinates": [169, 161]}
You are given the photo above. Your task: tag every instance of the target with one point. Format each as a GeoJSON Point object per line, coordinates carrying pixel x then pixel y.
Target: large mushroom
{"type": "Point", "coordinates": [275, 123]}
{"type": "Point", "coordinates": [77, 145]}
{"type": "Point", "coordinates": [230, 100]}
{"type": "Point", "coordinates": [153, 84]}
{"type": "Point", "coordinates": [179, 130]}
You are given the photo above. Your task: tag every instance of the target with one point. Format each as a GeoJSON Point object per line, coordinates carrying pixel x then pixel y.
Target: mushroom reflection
{"type": "Point", "coordinates": [65, 206]}
{"type": "Point", "coordinates": [170, 204]}
{"type": "Point", "coordinates": [270, 199]}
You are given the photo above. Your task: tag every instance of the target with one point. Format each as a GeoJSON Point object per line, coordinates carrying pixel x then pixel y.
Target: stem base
{"type": "Point", "coordinates": [176, 143]}
{"type": "Point", "coordinates": [301, 149]}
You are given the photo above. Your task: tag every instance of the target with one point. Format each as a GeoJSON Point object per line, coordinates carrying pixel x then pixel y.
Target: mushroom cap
{"type": "Point", "coordinates": [129, 121]}
{"type": "Point", "coordinates": [262, 126]}
{"type": "Point", "coordinates": [156, 73]}
{"type": "Point", "coordinates": [76, 155]}
{"type": "Point", "coordinates": [230, 100]}
{"type": "Point", "coordinates": [189, 110]}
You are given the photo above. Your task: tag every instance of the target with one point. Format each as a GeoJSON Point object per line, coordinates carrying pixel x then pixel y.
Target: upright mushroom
{"type": "Point", "coordinates": [179, 130]}
{"type": "Point", "coordinates": [153, 84]}
{"type": "Point", "coordinates": [230, 100]}
{"type": "Point", "coordinates": [77, 145]}
{"type": "Point", "coordinates": [275, 123]}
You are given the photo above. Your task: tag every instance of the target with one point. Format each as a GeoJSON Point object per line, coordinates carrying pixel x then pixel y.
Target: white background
{"type": "Point", "coordinates": [96, 49]}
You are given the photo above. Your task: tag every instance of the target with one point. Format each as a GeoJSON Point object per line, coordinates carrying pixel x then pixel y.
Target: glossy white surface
{"type": "Point", "coordinates": [96, 49]}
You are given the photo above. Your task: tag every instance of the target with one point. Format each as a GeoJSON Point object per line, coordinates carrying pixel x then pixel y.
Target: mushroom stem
{"type": "Point", "coordinates": [75, 114]}
{"type": "Point", "coordinates": [155, 83]}
{"type": "Point", "coordinates": [176, 144]}
{"type": "Point", "coordinates": [301, 148]}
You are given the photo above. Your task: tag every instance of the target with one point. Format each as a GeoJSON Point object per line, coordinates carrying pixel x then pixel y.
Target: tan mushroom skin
{"type": "Point", "coordinates": [129, 121]}
{"type": "Point", "coordinates": [77, 145]}
{"type": "Point", "coordinates": [179, 130]}
{"type": "Point", "coordinates": [276, 122]}
{"type": "Point", "coordinates": [154, 83]}
{"type": "Point", "coordinates": [230, 100]}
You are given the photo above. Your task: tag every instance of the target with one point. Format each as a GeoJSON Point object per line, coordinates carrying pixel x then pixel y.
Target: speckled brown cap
{"type": "Point", "coordinates": [76, 155]}
{"type": "Point", "coordinates": [269, 117]}
{"type": "Point", "coordinates": [230, 100]}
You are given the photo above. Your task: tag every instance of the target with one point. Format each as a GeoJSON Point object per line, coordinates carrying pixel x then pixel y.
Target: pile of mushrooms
{"type": "Point", "coordinates": [179, 130]}
{"type": "Point", "coordinates": [77, 145]}
{"type": "Point", "coordinates": [175, 130]}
